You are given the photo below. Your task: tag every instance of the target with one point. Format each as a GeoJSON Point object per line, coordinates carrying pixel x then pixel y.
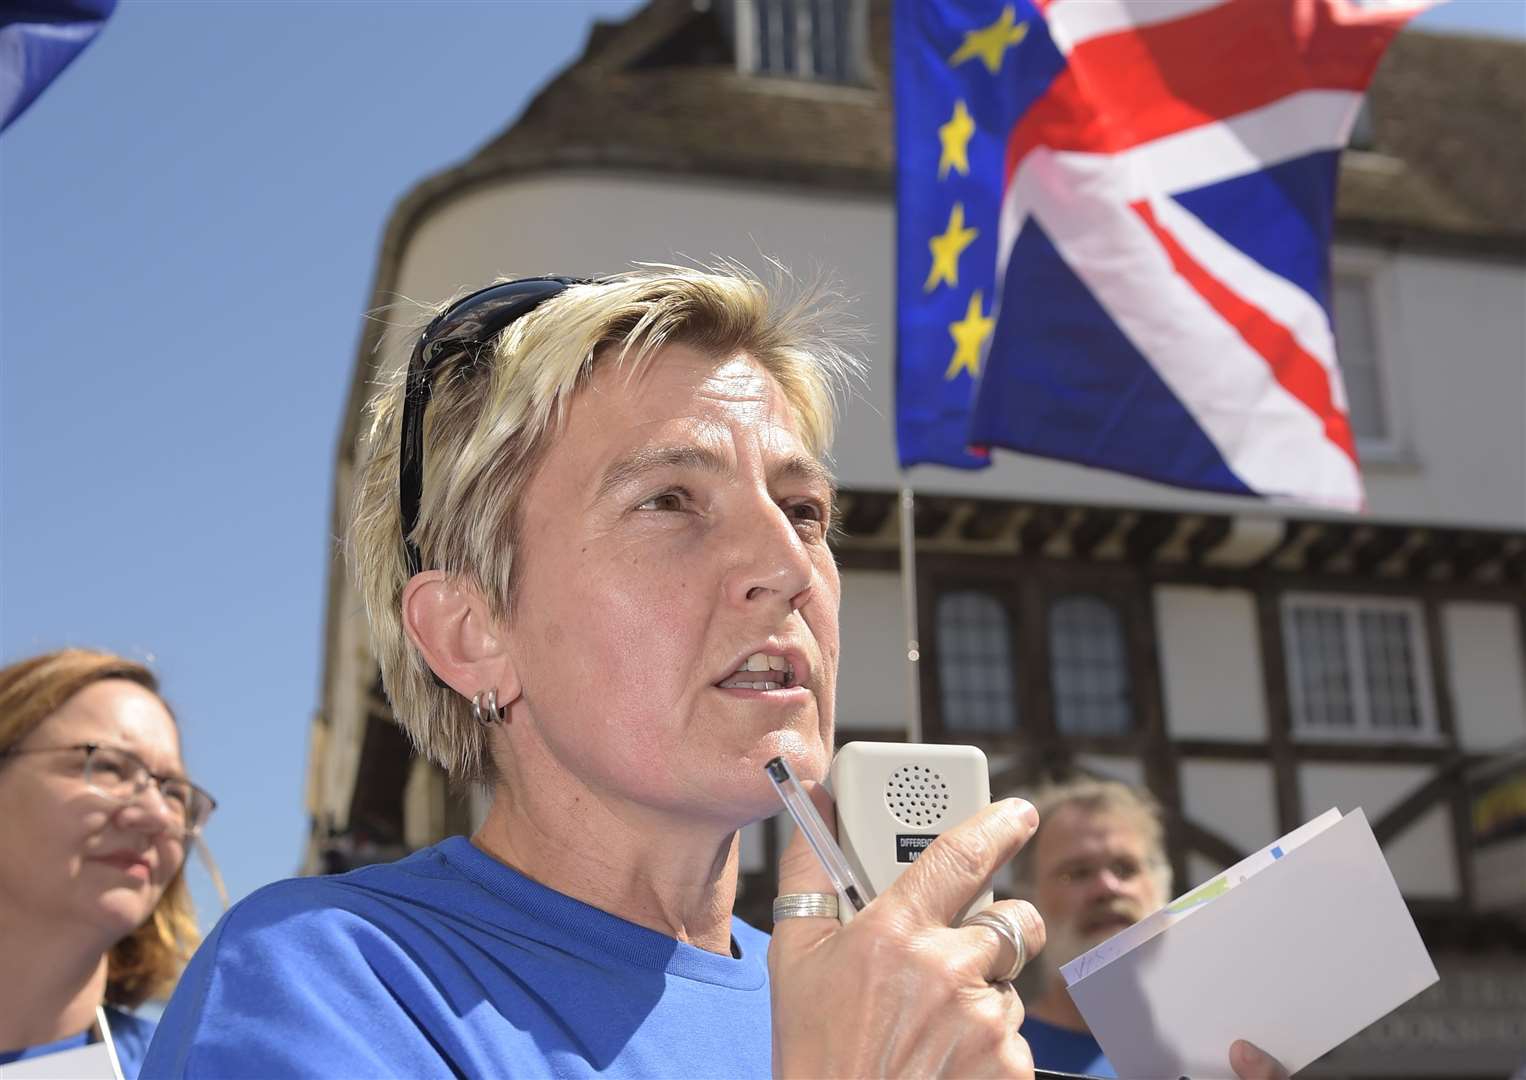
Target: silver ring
{"type": "Point", "coordinates": [1007, 929]}
{"type": "Point", "coordinates": [805, 905]}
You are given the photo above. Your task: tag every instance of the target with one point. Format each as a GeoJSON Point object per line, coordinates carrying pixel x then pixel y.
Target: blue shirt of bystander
{"type": "Point", "coordinates": [1064, 1050]}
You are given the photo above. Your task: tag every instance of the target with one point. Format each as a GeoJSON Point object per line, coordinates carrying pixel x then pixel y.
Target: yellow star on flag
{"type": "Point", "coordinates": [955, 137]}
{"type": "Point", "coordinates": [991, 42]}
{"type": "Point", "coordinates": [947, 248]}
{"type": "Point", "coordinates": [969, 335]}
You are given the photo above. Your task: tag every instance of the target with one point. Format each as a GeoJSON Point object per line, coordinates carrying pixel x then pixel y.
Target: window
{"type": "Point", "coordinates": [1357, 667]}
{"type": "Point", "coordinates": [975, 663]}
{"type": "Point", "coordinates": [1356, 347]}
{"type": "Point", "coordinates": [1088, 667]}
{"type": "Point", "coordinates": [806, 39]}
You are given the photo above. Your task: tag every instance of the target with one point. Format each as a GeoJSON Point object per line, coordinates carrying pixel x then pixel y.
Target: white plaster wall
{"type": "Point", "coordinates": [1422, 857]}
{"type": "Point", "coordinates": [872, 683]}
{"type": "Point", "coordinates": [1454, 338]}
{"type": "Point", "coordinates": [1488, 685]}
{"type": "Point", "coordinates": [1210, 657]}
{"type": "Point", "coordinates": [1457, 328]}
{"type": "Point", "coordinates": [1236, 799]}
{"type": "Point", "coordinates": [1114, 766]}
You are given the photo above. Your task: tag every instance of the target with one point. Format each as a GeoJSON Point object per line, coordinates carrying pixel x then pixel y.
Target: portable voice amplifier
{"type": "Point", "coordinates": [894, 799]}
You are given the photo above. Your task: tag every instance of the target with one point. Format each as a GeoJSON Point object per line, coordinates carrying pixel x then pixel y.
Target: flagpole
{"type": "Point", "coordinates": [908, 507]}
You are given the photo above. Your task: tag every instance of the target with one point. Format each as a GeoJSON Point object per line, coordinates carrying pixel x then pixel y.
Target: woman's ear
{"type": "Point", "coordinates": [450, 624]}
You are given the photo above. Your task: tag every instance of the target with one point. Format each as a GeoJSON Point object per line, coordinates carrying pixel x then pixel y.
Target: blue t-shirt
{"type": "Point", "coordinates": [1063, 1050]}
{"type": "Point", "coordinates": [448, 963]}
{"type": "Point", "coordinates": [129, 1034]}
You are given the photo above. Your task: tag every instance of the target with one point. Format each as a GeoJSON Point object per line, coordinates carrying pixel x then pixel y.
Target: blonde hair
{"type": "Point", "coordinates": [146, 962]}
{"type": "Point", "coordinates": [1101, 796]}
{"type": "Point", "coordinates": [494, 413]}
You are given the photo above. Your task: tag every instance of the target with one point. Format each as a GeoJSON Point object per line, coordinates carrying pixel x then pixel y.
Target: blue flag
{"type": "Point", "coordinates": [951, 124]}
{"type": "Point", "coordinates": [37, 41]}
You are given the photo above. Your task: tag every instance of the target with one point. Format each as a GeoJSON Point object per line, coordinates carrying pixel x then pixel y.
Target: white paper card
{"type": "Point", "coordinates": [1185, 905]}
{"type": "Point", "coordinates": [90, 1062]}
{"type": "Point", "coordinates": [1296, 955]}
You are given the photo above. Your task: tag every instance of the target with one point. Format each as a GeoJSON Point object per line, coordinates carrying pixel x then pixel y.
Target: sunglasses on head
{"type": "Point", "coordinates": [470, 323]}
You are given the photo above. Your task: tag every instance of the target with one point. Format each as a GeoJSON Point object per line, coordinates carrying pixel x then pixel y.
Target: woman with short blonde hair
{"type": "Point", "coordinates": [95, 819]}
{"type": "Point", "coordinates": [592, 530]}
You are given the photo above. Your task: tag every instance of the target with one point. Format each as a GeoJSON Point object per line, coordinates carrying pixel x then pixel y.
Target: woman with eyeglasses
{"type": "Point", "coordinates": [96, 818]}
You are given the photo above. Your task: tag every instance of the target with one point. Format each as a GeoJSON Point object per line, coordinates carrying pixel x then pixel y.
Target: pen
{"type": "Point", "coordinates": [800, 807]}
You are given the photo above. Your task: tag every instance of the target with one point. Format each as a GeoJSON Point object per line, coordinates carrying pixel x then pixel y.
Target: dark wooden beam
{"type": "Point", "coordinates": [1279, 712]}
{"type": "Point", "coordinates": [987, 522]}
{"type": "Point", "coordinates": [376, 804]}
{"type": "Point", "coordinates": [932, 514]}
{"type": "Point", "coordinates": [1292, 535]}
{"type": "Point", "coordinates": [1434, 553]}
{"type": "Point", "coordinates": [1209, 535]}
{"type": "Point", "coordinates": [1152, 530]}
{"type": "Point", "coordinates": [1514, 566]}
{"type": "Point", "coordinates": [1040, 526]}
{"type": "Point", "coordinates": [867, 513]}
{"type": "Point", "coordinates": [1474, 551]}
{"type": "Point", "coordinates": [1200, 838]}
{"type": "Point", "coordinates": [1370, 553]}
{"type": "Point", "coordinates": [1095, 527]}
{"type": "Point", "coordinates": [1335, 539]}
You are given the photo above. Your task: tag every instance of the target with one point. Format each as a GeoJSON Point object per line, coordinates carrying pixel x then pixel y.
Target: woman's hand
{"type": "Point", "coordinates": [900, 991]}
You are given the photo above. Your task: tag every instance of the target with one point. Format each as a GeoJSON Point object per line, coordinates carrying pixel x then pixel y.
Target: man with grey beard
{"type": "Point", "coordinates": [1096, 866]}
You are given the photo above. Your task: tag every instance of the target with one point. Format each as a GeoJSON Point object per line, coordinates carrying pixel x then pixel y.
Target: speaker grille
{"type": "Point", "coordinates": [917, 796]}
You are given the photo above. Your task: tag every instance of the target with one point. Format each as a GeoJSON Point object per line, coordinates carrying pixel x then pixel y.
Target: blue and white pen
{"type": "Point", "coordinates": [800, 807]}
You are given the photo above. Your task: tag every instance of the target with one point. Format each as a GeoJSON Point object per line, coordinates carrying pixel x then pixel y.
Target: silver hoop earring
{"type": "Point", "coordinates": [489, 712]}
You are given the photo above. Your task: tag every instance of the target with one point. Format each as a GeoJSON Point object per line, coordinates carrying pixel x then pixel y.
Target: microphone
{"type": "Point", "coordinates": [895, 799]}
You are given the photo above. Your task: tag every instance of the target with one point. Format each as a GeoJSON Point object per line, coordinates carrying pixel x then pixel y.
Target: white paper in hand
{"type": "Point", "coordinates": [1296, 948]}
{"type": "Point", "coordinates": [91, 1062]}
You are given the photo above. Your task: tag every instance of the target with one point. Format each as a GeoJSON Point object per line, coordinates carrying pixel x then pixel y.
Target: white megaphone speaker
{"type": "Point", "coordinates": [895, 799]}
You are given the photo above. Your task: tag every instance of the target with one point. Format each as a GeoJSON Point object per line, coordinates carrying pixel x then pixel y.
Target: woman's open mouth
{"type": "Point", "coordinates": [761, 672]}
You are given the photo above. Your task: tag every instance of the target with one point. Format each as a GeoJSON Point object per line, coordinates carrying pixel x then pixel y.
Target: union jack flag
{"type": "Point", "coordinates": [1114, 234]}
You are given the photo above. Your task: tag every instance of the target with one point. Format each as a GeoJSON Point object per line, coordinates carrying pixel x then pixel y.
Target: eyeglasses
{"type": "Point", "coordinates": [122, 777]}
{"type": "Point", "coordinates": [469, 323]}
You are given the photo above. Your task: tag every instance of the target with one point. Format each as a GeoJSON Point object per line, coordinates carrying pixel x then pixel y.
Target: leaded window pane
{"type": "Point", "coordinates": [975, 663]}
{"type": "Point", "coordinates": [1088, 665]}
{"type": "Point", "coordinates": [1390, 669]}
{"type": "Point", "coordinates": [1319, 636]}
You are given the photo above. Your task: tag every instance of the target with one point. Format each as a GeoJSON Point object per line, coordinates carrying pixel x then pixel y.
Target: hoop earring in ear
{"type": "Point", "coordinates": [489, 712]}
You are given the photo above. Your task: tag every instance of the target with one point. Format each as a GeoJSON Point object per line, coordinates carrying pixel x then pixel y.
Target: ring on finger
{"type": "Point", "coordinates": [805, 905]}
{"type": "Point", "coordinates": [1006, 928]}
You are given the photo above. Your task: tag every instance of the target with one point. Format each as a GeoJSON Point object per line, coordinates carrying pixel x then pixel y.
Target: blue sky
{"type": "Point", "coordinates": [189, 221]}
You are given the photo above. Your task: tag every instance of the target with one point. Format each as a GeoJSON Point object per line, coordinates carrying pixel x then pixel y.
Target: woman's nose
{"type": "Point", "coordinates": [773, 562]}
{"type": "Point", "coordinates": [150, 812]}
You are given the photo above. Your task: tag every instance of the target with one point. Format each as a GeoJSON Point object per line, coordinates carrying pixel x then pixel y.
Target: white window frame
{"type": "Point", "coordinates": [1428, 733]}
{"type": "Point", "coordinates": [1375, 269]}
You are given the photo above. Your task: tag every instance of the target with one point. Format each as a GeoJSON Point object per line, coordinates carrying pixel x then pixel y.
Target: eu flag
{"type": "Point", "coordinates": [955, 96]}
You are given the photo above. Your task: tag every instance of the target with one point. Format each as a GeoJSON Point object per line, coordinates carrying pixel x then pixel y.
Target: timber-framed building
{"type": "Point", "coordinates": [1251, 666]}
